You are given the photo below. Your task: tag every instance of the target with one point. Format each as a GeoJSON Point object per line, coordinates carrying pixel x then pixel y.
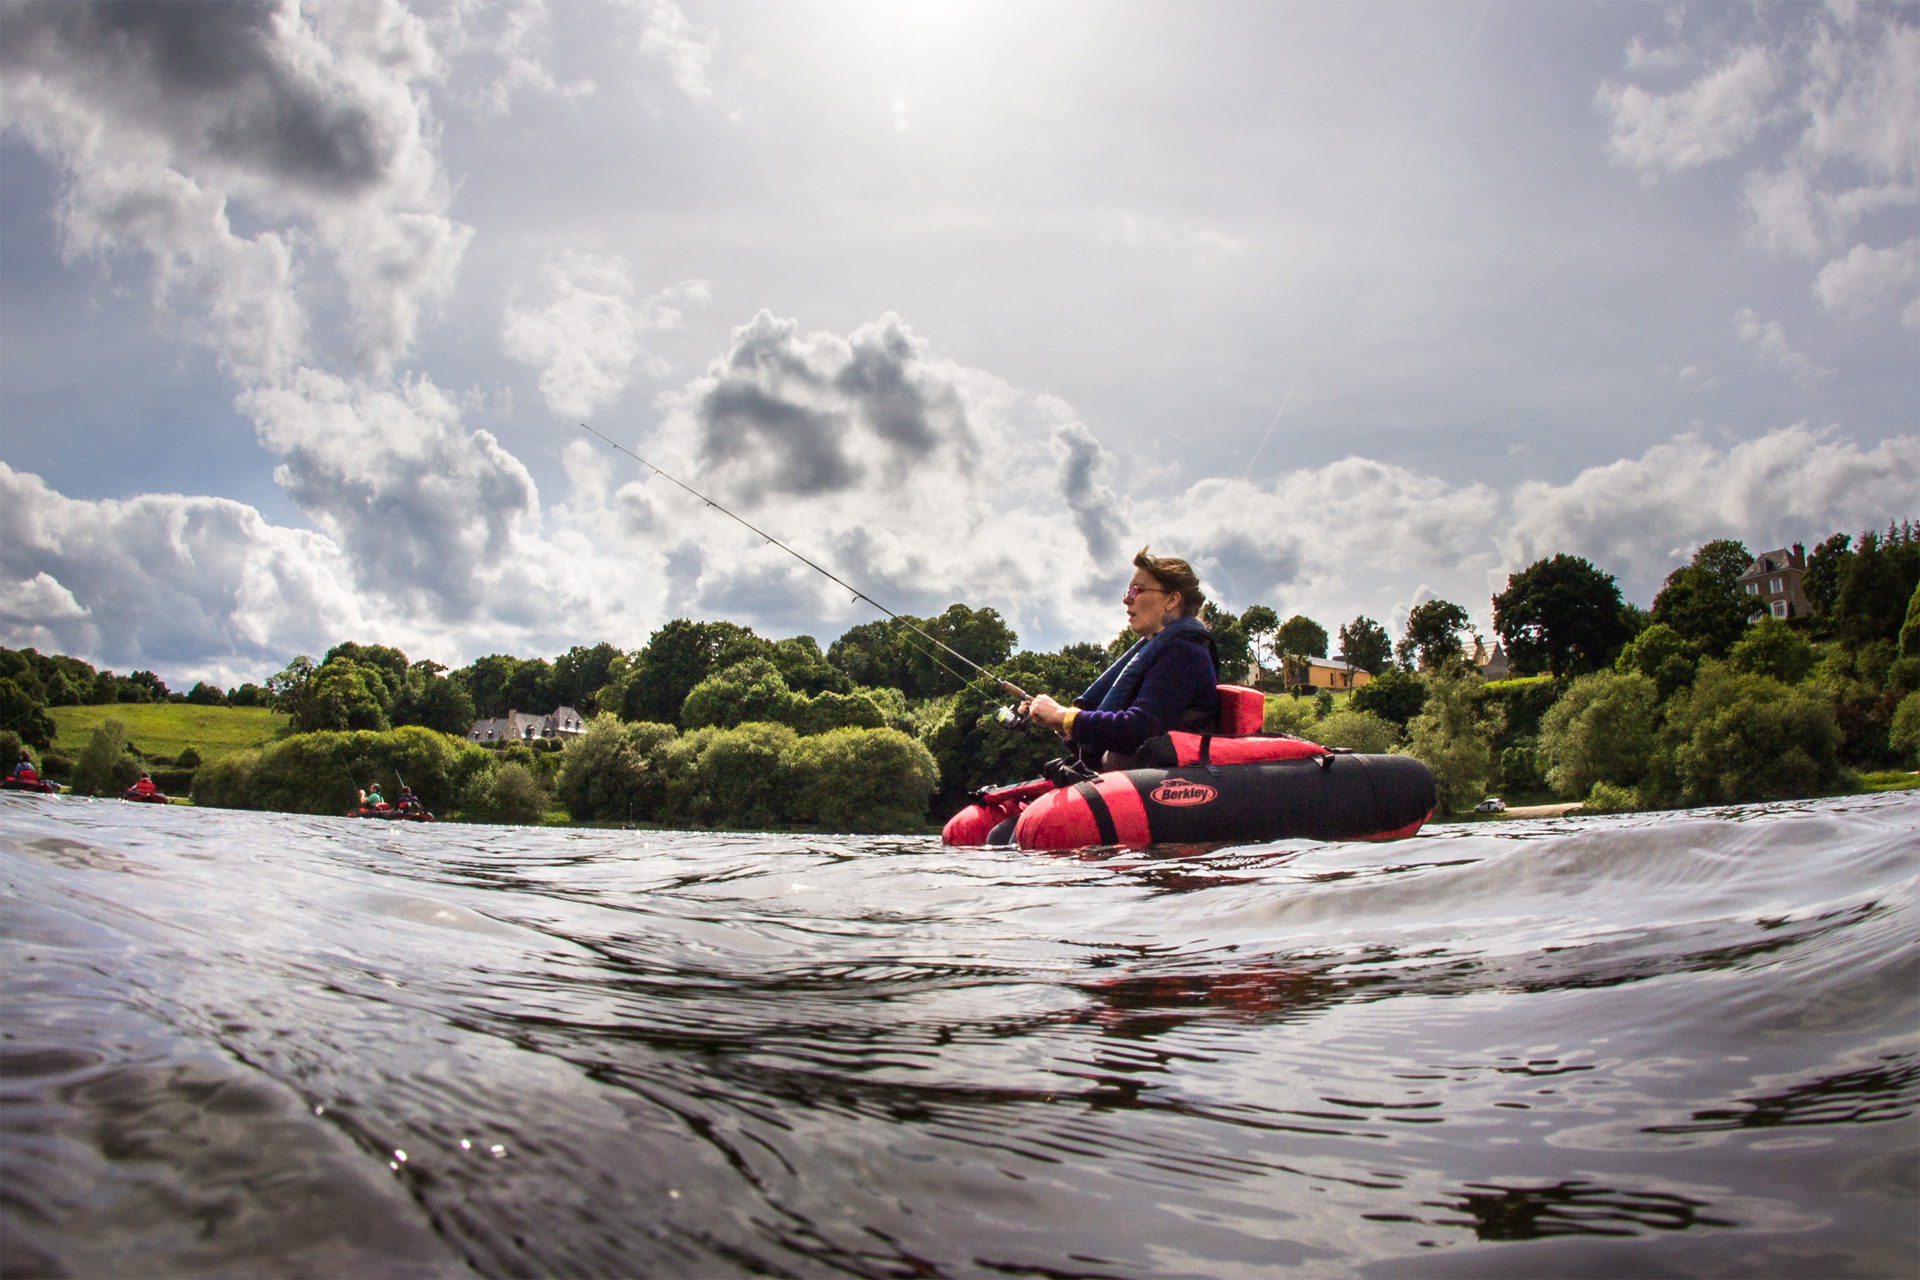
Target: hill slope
{"type": "Point", "coordinates": [168, 728]}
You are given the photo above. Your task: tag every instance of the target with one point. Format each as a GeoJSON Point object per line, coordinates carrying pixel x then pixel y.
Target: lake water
{"type": "Point", "coordinates": [240, 1043]}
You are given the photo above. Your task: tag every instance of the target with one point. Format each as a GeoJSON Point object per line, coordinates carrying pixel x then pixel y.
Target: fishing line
{"type": "Point", "coordinates": [1005, 685]}
{"type": "Point", "coordinates": [1366, 249]}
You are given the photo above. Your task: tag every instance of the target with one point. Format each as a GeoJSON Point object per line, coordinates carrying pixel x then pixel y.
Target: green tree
{"type": "Point", "coordinates": [679, 656]}
{"type": "Point", "coordinates": [94, 774]}
{"type": "Point", "coordinates": [1302, 637]}
{"type": "Point", "coordinates": [1875, 586]}
{"type": "Point", "coordinates": [581, 673]}
{"type": "Point", "coordinates": [1735, 738]}
{"type": "Point", "coordinates": [1561, 616]}
{"type": "Point", "coordinates": [1365, 644]}
{"type": "Point", "coordinates": [1661, 655]}
{"type": "Point", "coordinates": [1825, 567]}
{"type": "Point", "coordinates": [383, 669]}
{"type": "Point", "coordinates": [1771, 648]}
{"type": "Point", "coordinates": [431, 699]}
{"type": "Point", "coordinates": [206, 695]}
{"type": "Point", "coordinates": [24, 715]}
{"type": "Point", "coordinates": [1702, 600]}
{"type": "Point", "coordinates": [1433, 635]}
{"type": "Point", "coordinates": [736, 777]}
{"type": "Point", "coordinates": [889, 653]}
{"type": "Point", "coordinates": [287, 687]}
{"type": "Point", "coordinates": [1909, 629]}
{"type": "Point", "coordinates": [1294, 716]}
{"type": "Point", "coordinates": [1259, 622]}
{"type": "Point", "coordinates": [1360, 731]}
{"type": "Point", "coordinates": [341, 695]}
{"type": "Point", "coordinates": [1603, 729]}
{"type": "Point", "coordinates": [806, 669]}
{"type": "Point", "coordinates": [1904, 735]}
{"type": "Point", "coordinates": [1453, 736]}
{"type": "Point", "coordinates": [512, 794]}
{"type": "Point", "coordinates": [249, 695]}
{"type": "Point", "coordinates": [1395, 696]}
{"type": "Point", "coordinates": [1230, 642]}
{"type": "Point", "coordinates": [862, 780]}
{"type": "Point", "coordinates": [613, 771]}
{"type": "Point", "coordinates": [143, 686]}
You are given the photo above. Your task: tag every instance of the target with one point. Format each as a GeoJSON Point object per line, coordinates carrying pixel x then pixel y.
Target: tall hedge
{"type": "Point", "coordinates": [325, 772]}
{"type": "Point", "coordinates": [755, 775]}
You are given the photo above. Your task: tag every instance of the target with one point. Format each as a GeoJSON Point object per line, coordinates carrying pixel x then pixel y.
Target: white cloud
{"type": "Point", "coordinates": [670, 37]}
{"type": "Point", "coordinates": [1792, 484]}
{"type": "Point", "coordinates": [499, 50]}
{"type": "Point", "coordinates": [1771, 340]}
{"type": "Point", "coordinates": [1866, 277]}
{"type": "Point", "coordinates": [197, 585]}
{"type": "Point", "coordinates": [1204, 246]}
{"type": "Point", "coordinates": [1711, 119]}
{"type": "Point", "coordinates": [166, 119]}
{"type": "Point", "coordinates": [586, 340]}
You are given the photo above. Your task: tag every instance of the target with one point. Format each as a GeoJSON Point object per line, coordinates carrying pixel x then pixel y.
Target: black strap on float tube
{"type": "Point", "coordinates": [1102, 816]}
{"type": "Point", "coordinates": [1006, 686]}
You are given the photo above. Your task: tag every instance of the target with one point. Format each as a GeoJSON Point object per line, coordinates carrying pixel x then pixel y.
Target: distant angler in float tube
{"type": "Point", "coordinates": [1163, 754]}
{"type": "Point", "coordinates": [406, 808]}
{"type": "Point", "coordinates": [27, 778]}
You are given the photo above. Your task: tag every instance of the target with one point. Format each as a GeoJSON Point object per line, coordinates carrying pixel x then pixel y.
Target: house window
{"type": "Point", "coordinates": [1753, 588]}
{"type": "Point", "coordinates": [1779, 608]}
{"type": "Point", "coordinates": [1773, 586]}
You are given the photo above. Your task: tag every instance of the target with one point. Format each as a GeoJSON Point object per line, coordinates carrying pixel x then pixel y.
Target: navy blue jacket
{"type": "Point", "coordinates": [1175, 679]}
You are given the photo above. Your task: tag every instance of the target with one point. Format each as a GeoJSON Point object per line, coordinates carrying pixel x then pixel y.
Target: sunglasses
{"type": "Point", "coordinates": [1134, 589]}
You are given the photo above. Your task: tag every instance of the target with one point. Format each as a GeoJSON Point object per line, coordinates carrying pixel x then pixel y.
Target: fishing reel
{"type": "Point", "coordinates": [1013, 719]}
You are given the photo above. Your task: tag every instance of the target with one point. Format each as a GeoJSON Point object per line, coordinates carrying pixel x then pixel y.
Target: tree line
{"type": "Point", "coordinates": [1652, 706]}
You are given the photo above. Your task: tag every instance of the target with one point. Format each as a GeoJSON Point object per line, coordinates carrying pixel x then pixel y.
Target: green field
{"type": "Point", "coordinates": [168, 728]}
{"type": "Point", "coordinates": [1870, 783]}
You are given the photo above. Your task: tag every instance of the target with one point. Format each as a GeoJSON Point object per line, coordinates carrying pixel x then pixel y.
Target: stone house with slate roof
{"type": "Point", "coordinates": [522, 726]}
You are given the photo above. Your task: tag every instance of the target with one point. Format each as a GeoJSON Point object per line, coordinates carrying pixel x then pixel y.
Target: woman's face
{"type": "Point", "coordinates": [1147, 603]}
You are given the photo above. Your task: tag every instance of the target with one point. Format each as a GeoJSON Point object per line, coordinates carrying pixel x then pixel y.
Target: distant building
{"type": "Point", "coordinates": [1496, 666]}
{"type": "Point", "coordinates": [524, 727]}
{"type": "Point", "coordinates": [1773, 583]}
{"type": "Point", "coordinates": [1322, 673]}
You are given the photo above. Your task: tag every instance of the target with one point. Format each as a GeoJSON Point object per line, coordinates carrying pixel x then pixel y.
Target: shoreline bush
{"type": "Point", "coordinates": [756, 775]}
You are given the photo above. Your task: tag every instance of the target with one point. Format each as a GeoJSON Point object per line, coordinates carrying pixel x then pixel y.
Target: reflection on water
{"type": "Point", "coordinates": [267, 1044]}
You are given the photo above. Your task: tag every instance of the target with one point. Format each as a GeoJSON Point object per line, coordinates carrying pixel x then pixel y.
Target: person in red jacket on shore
{"type": "Point", "coordinates": [144, 787]}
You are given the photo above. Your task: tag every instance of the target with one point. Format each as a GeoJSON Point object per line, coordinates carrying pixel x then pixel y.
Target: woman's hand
{"type": "Point", "coordinates": [1045, 711]}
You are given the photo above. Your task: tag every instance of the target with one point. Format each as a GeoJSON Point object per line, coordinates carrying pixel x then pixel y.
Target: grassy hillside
{"type": "Point", "coordinates": [167, 728]}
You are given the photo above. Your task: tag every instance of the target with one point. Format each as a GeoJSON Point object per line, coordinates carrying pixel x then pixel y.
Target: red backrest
{"type": "Point", "coordinates": [1242, 710]}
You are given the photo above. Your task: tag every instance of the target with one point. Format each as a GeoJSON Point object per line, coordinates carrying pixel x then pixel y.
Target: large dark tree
{"type": "Point", "coordinates": [1825, 567]}
{"type": "Point", "coordinates": [1302, 637]}
{"type": "Point", "coordinates": [891, 654]}
{"type": "Point", "coordinates": [1392, 695]}
{"type": "Point", "coordinates": [1259, 622]}
{"type": "Point", "coordinates": [1560, 615]}
{"type": "Point", "coordinates": [1702, 601]}
{"type": "Point", "coordinates": [1433, 634]}
{"type": "Point", "coordinates": [581, 672]}
{"type": "Point", "coordinates": [1230, 641]}
{"type": "Point", "coordinates": [1365, 644]}
{"type": "Point", "coordinates": [679, 656]}
{"type": "Point", "coordinates": [1874, 588]}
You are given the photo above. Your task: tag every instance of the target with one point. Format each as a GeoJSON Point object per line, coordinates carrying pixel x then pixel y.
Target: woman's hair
{"type": "Point", "coordinates": [1175, 575]}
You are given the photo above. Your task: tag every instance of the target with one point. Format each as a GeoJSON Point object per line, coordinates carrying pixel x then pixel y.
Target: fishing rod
{"type": "Point", "coordinates": [1006, 686]}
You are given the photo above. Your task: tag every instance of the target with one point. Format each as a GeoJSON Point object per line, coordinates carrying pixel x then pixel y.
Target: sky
{"type": "Point", "coordinates": [1352, 305]}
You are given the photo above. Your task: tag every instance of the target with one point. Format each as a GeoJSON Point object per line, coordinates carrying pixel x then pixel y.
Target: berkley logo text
{"type": "Point", "coordinates": [1181, 793]}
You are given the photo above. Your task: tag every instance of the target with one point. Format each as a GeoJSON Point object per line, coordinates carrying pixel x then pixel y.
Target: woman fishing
{"type": "Point", "coordinates": [1164, 681]}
